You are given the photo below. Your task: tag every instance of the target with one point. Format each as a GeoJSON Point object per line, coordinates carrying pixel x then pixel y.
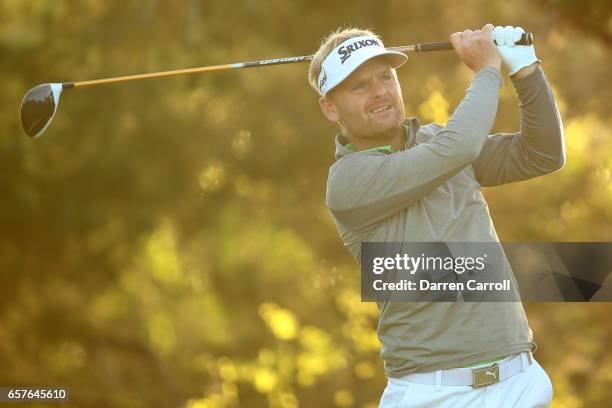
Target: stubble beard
{"type": "Point", "coordinates": [373, 133]}
{"type": "Point", "coordinates": [389, 131]}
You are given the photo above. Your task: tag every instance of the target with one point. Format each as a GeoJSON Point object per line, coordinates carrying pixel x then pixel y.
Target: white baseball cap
{"type": "Point", "coordinates": [349, 55]}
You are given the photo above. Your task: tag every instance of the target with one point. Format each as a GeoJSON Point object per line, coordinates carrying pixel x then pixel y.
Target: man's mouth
{"type": "Point", "coordinates": [381, 109]}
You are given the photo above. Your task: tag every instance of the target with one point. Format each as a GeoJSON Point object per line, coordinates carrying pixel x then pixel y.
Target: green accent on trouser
{"type": "Point", "coordinates": [484, 362]}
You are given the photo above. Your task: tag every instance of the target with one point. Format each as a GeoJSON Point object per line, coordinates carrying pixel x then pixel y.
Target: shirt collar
{"type": "Point", "coordinates": [384, 148]}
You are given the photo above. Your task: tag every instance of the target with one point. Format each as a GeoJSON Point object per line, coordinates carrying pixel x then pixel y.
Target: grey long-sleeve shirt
{"type": "Point", "coordinates": [430, 192]}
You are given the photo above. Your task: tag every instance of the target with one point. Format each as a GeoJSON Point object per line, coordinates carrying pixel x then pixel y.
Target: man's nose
{"type": "Point", "coordinates": [378, 89]}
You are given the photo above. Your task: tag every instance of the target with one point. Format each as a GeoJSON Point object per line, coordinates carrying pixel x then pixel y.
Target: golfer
{"type": "Point", "coordinates": [397, 180]}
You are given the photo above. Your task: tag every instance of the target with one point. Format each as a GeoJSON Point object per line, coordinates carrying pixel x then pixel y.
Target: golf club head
{"type": "Point", "coordinates": [38, 108]}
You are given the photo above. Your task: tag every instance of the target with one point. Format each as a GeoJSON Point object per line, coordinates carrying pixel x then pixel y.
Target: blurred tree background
{"type": "Point", "coordinates": [166, 243]}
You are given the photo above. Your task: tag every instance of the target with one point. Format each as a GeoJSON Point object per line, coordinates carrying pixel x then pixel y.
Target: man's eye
{"type": "Point", "coordinates": [387, 77]}
{"type": "Point", "coordinates": [358, 87]}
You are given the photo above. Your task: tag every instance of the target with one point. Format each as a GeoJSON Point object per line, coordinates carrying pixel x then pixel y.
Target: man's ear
{"type": "Point", "coordinates": [329, 109]}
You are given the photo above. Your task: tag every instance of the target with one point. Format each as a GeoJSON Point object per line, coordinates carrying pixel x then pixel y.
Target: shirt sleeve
{"type": "Point", "coordinates": [366, 187]}
{"type": "Point", "coordinates": [537, 149]}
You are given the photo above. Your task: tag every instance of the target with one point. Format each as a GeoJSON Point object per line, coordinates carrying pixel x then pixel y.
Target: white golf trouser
{"type": "Point", "coordinates": [529, 388]}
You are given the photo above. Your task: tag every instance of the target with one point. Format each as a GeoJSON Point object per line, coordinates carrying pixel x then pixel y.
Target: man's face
{"type": "Point", "coordinates": [369, 102]}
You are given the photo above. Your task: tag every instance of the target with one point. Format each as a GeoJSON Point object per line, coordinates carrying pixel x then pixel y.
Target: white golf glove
{"type": "Point", "coordinates": [515, 57]}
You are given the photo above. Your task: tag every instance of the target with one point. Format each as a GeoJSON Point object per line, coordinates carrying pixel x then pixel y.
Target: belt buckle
{"type": "Point", "coordinates": [485, 376]}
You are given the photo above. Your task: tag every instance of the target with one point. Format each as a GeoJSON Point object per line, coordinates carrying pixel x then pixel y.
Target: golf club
{"type": "Point", "coordinates": [39, 105]}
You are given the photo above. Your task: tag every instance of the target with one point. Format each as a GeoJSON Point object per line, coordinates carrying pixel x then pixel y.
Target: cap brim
{"type": "Point", "coordinates": [397, 58]}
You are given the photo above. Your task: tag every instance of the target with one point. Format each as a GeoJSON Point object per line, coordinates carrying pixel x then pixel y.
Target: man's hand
{"type": "Point", "coordinates": [476, 48]}
{"type": "Point", "coordinates": [515, 57]}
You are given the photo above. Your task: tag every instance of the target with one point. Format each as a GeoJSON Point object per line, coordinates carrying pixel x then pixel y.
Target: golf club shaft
{"type": "Point", "coordinates": [526, 39]}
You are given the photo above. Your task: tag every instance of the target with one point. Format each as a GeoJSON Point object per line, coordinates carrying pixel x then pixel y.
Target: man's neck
{"type": "Point", "coordinates": [394, 137]}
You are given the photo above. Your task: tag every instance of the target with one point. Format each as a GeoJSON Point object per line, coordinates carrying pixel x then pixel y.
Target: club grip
{"type": "Point", "coordinates": [526, 39]}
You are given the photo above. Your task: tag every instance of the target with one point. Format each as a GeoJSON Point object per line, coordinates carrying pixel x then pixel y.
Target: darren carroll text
{"type": "Point", "coordinates": [471, 284]}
